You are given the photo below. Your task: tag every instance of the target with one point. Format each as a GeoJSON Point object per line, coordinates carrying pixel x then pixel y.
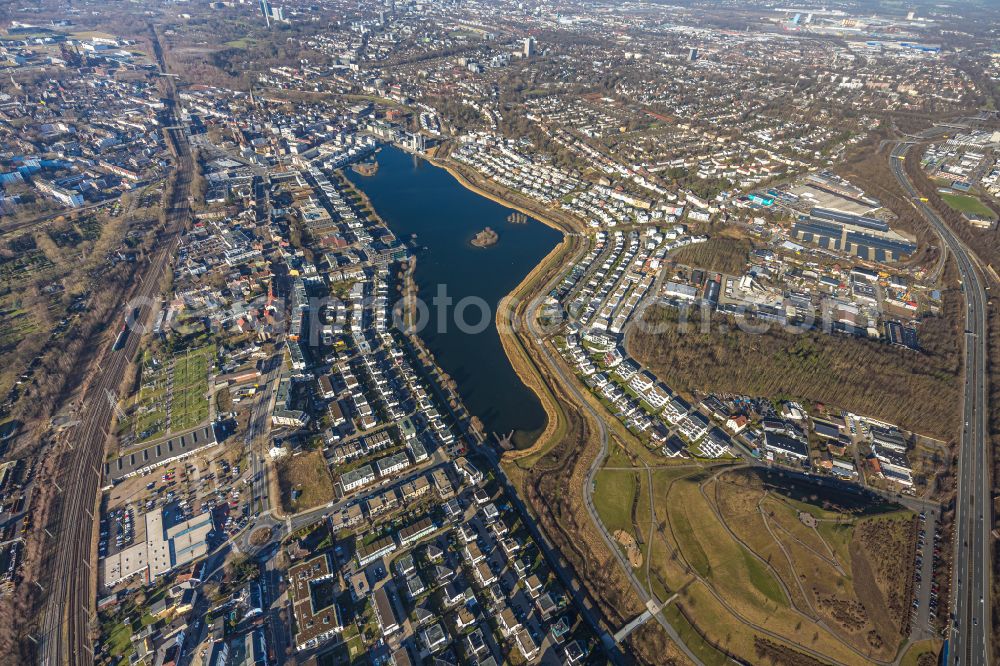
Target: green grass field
{"type": "Point", "coordinates": [118, 637]}
{"type": "Point", "coordinates": [912, 656]}
{"type": "Point", "coordinates": [189, 407]}
{"type": "Point", "coordinates": [241, 43]}
{"type": "Point", "coordinates": [744, 569]}
{"type": "Point", "coordinates": [705, 651]}
{"type": "Point", "coordinates": [614, 492]}
{"type": "Point", "coordinates": [965, 203]}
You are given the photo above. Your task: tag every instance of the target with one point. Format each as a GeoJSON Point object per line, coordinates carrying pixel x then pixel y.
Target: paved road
{"type": "Point", "coordinates": [570, 383]}
{"type": "Point", "coordinates": [923, 623]}
{"type": "Point", "coordinates": [69, 604]}
{"type": "Point", "coordinates": [969, 636]}
{"type": "Point", "coordinates": [566, 575]}
{"type": "Point", "coordinates": [258, 427]}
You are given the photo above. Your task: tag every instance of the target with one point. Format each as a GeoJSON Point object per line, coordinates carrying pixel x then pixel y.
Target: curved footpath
{"type": "Point", "coordinates": [514, 313]}
{"type": "Point", "coordinates": [509, 322]}
{"type": "Point", "coordinates": [588, 490]}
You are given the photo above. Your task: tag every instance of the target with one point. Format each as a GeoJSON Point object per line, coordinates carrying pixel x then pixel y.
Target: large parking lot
{"type": "Point", "coordinates": [212, 481]}
{"type": "Point", "coordinates": [925, 573]}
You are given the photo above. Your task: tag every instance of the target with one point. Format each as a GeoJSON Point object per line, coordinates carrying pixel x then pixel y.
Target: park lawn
{"type": "Point", "coordinates": [716, 555]}
{"type": "Point", "coordinates": [663, 477]}
{"type": "Point", "coordinates": [720, 627]}
{"type": "Point", "coordinates": [818, 574]}
{"type": "Point", "coordinates": [750, 590]}
{"type": "Point", "coordinates": [838, 536]}
{"type": "Point", "coordinates": [788, 519]}
{"type": "Point", "coordinates": [726, 630]}
{"type": "Point", "coordinates": [664, 565]}
{"type": "Point", "coordinates": [755, 583]}
{"type": "Point", "coordinates": [828, 589]}
{"type": "Point", "coordinates": [642, 508]}
{"type": "Point", "coordinates": [617, 456]}
{"type": "Point", "coordinates": [764, 580]}
{"type": "Point", "coordinates": [802, 556]}
{"type": "Point", "coordinates": [119, 639]}
{"type": "Point", "coordinates": [912, 655]}
{"type": "Point", "coordinates": [965, 203]}
{"type": "Point", "coordinates": [810, 551]}
{"type": "Point", "coordinates": [643, 523]}
{"type": "Point", "coordinates": [694, 641]}
{"type": "Point", "coordinates": [687, 543]}
{"type": "Point", "coordinates": [614, 493]}
{"type": "Point", "coordinates": [666, 569]}
{"type": "Point", "coordinates": [750, 527]}
{"type": "Point", "coordinates": [748, 576]}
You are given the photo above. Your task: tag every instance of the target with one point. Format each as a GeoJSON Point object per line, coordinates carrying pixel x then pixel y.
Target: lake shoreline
{"type": "Point", "coordinates": [401, 194]}
{"type": "Point", "coordinates": [515, 346]}
{"type": "Point", "coordinates": [506, 203]}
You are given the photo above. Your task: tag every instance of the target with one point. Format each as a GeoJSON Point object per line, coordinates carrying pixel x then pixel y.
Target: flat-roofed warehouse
{"type": "Point", "coordinates": [859, 222]}
{"type": "Point", "coordinates": [868, 238]}
{"type": "Point", "coordinates": [165, 548]}
{"type": "Point", "coordinates": [159, 453]}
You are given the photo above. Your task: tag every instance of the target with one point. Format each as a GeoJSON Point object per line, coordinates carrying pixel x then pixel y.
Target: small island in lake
{"type": "Point", "coordinates": [367, 168]}
{"type": "Point", "coordinates": [485, 238]}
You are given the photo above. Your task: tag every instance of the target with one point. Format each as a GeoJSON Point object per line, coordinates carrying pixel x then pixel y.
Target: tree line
{"type": "Point", "coordinates": [918, 390]}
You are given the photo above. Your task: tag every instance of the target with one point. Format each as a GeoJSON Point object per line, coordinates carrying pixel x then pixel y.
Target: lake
{"type": "Point", "coordinates": [416, 197]}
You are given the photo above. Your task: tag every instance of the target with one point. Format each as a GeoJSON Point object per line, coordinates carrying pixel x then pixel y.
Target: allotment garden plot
{"type": "Point", "coordinates": [172, 396]}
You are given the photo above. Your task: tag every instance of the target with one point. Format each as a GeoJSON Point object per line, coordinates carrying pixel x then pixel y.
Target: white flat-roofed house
{"type": "Point", "coordinates": [694, 426]}
{"type": "Point", "coordinates": [392, 464]}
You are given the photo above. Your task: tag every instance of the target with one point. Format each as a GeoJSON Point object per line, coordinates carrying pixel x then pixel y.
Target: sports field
{"type": "Point", "coordinates": [965, 203]}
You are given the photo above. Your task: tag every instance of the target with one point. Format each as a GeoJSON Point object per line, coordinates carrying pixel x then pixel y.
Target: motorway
{"type": "Point", "coordinates": [969, 635]}
{"type": "Point", "coordinates": [972, 571]}
{"type": "Point", "coordinates": [65, 636]}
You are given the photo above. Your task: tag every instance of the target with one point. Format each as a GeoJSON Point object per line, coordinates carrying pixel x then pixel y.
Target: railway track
{"type": "Point", "coordinates": [69, 606]}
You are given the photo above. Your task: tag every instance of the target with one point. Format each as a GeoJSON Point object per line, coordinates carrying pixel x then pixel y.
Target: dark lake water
{"type": "Point", "coordinates": [415, 197]}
